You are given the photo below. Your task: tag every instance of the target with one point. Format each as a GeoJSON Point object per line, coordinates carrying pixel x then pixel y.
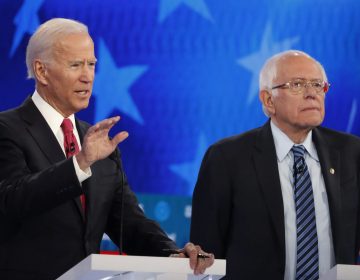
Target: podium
{"type": "Point", "coordinates": [343, 272]}
{"type": "Point", "coordinates": [109, 267]}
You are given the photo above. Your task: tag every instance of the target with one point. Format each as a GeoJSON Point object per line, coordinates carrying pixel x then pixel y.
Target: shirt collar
{"type": "Point", "coordinates": [52, 117]}
{"type": "Point", "coordinates": [283, 143]}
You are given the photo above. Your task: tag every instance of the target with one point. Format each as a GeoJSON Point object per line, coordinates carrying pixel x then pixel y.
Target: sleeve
{"type": "Point", "coordinates": [24, 193]}
{"type": "Point", "coordinates": [212, 203]}
{"type": "Point", "coordinates": [141, 236]}
{"type": "Point", "coordinates": [82, 175]}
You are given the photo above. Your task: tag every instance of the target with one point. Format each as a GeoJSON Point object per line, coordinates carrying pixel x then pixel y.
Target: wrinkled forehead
{"type": "Point", "coordinates": [77, 45]}
{"type": "Point", "coordinates": [297, 66]}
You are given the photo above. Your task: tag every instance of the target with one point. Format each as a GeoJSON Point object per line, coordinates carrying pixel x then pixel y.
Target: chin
{"type": "Point", "coordinates": [314, 119]}
{"type": "Point", "coordinates": [84, 105]}
{"type": "Point", "coordinates": [313, 123]}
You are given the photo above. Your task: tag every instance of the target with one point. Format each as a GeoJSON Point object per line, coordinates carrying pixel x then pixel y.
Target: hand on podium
{"type": "Point", "coordinates": [199, 260]}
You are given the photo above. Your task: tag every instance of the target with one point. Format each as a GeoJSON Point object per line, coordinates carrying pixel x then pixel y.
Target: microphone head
{"type": "Point", "coordinates": [300, 169]}
{"type": "Point", "coordinates": [72, 147]}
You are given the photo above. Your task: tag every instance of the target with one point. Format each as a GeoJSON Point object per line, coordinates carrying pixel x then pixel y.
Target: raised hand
{"type": "Point", "coordinates": [97, 144]}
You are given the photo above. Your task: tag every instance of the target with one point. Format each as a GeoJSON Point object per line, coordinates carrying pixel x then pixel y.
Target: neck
{"type": "Point", "coordinates": [298, 138]}
{"type": "Point", "coordinates": [50, 101]}
{"type": "Point", "coordinates": [295, 134]}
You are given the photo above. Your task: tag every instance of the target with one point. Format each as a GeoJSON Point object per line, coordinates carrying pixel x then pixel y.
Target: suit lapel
{"type": "Point", "coordinates": [330, 167]}
{"type": "Point", "coordinates": [41, 132]}
{"type": "Point", "coordinates": [268, 175]}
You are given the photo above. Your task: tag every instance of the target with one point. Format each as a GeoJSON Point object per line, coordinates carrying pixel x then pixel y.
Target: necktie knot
{"type": "Point", "coordinates": [299, 160]}
{"type": "Point", "coordinates": [67, 126]}
{"type": "Point", "coordinates": [298, 151]}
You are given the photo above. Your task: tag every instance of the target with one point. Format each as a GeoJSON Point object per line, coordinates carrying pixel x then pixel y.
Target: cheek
{"type": "Point", "coordinates": [292, 113]}
{"type": "Point", "coordinates": [322, 107]}
{"type": "Point", "coordinates": [287, 108]}
{"type": "Point", "coordinates": [70, 84]}
{"type": "Point", "coordinates": [57, 87]}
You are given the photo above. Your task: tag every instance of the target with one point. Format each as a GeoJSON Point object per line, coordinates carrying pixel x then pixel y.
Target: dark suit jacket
{"type": "Point", "coordinates": [238, 208]}
{"type": "Point", "coordinates": [43, 231]}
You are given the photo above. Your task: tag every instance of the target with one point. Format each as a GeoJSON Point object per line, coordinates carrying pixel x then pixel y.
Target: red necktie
{"type": "Point", "coordinates": [71, 146]}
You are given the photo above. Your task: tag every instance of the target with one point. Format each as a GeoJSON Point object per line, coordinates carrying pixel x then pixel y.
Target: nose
{"type": "Point", "coordinates": [87, 74]}
{"type": "Point", "coordinates": [309, 91]}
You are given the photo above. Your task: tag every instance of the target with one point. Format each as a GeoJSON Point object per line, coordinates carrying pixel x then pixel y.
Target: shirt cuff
{"type": "Point", "coordinates": [81, 174]}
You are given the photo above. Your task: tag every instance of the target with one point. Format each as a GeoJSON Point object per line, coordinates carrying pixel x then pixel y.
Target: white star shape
{"type": "Point", "coordinates": [255, 61]}
{"type": "Point", "coordinates": [189, 170]}
{"type": "Point", "coordinates": [168, 6]}
{"type": "Point", "coordinates": [112, 87]}
{"type": "Point", "coordinates": [26, 21]}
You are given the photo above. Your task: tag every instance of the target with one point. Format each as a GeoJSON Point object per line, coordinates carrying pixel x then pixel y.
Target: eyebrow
{"type": "Point", "coordinates": [301, 78]}
{"type": "Point", "coordinates": [82, 61]}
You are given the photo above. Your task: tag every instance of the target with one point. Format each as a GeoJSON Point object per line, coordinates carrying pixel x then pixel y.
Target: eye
{"type": "Point", "coordinates": [297, 84]}
{"type": "Point", "coordinates": [74, 65]}
{"type": "Point", "coordinates": [317, 84]}
{"type": "Point", "coordinates": [92, 64]}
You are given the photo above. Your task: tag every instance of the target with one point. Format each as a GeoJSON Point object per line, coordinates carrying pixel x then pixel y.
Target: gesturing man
{"type": "Point", "coordinates": [61, 181]}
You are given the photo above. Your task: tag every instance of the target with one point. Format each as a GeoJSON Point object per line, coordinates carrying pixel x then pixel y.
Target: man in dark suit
{"type": "Point", "coordinates": [61, 181]}
{"type": "Point", "coordinates": [282, 201]}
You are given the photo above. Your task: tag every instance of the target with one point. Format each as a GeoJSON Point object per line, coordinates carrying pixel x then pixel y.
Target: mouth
{"type": "Point", "coordinates": [310, 109]}
{"type": "Point", "coordinates": [82, 93]}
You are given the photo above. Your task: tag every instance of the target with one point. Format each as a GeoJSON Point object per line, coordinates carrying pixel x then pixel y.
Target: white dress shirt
{"type": "Point", "coordinates": [54, 120]}
{"type": "Point", "coordinates": [285, 159]}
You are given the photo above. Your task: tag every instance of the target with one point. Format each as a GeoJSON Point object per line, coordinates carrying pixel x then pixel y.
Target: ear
{"type": "Point", "coordinates": [40, 72]}
{"type": "Point", "coordinates": [266, 99]}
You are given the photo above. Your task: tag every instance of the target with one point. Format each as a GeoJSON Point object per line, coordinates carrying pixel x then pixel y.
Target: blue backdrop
{"type": "Point", "coordinates": [184, 73]}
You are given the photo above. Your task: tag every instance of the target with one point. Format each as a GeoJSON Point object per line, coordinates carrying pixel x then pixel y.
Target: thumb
{"type": "Point", "coordinates": [118, 138]}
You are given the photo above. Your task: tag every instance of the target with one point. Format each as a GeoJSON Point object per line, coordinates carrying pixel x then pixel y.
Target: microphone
{"type": "Point", "coordinates": [115, 156]}
{"type": "Point", "coordinates": [298, 170]}
{"type": "Point", "coordinates": [72, 147]}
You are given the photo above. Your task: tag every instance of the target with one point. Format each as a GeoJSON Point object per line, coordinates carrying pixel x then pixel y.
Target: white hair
{"type": "Point", "coordinates": [269, 70]}
{"type": "Point", "coordinates": [42, 41]}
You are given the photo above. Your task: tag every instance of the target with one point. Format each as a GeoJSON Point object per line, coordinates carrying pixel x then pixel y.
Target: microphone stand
{"type": "Point", "coordinates": [116, 158]}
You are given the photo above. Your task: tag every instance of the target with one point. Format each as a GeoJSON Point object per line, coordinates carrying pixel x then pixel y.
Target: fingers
{"type": "Point", "coordinates": [107, 124]}
{"type": "Point", "coordinates": [97, 144]}
{"type": "Point", "coordinates": [199, 260]}
{"type": "Point", "coordinates": [180, 255]}
{"type": "Point", "coordinates": [191, 251]}
{"type": "Point", "coordinates": [104, 126]}
{"type": "Point", "coordinates": [118, 138]}
{"type": "Point", "coordinates": [203, 263]}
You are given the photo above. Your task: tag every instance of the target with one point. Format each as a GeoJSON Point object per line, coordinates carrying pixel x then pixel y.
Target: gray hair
{"type": "Point", "coordinates": [41, 42]}
{"type": "Point", "coordinates": [270, 69]}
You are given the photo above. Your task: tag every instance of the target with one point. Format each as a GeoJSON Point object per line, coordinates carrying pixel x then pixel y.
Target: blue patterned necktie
{"type": "Point", "coordinates": [307, 264]}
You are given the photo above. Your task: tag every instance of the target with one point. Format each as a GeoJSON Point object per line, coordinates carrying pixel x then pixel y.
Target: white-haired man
{"type": "Point", "coordinates": [61, 182]}
{"type": "Point", "coordinates": [283, 198]}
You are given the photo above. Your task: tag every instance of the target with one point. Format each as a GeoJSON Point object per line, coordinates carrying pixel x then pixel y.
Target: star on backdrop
{"type": "Point", "coordinates": [112, 86]}
{"type": "Point", "coordinates": [121, 87]}
{"type": "Point", "coordinates": [255, 61]}
{"type": "Point", "coordinates": [189, 170]}
{"type": "Point", "coordinates": [26, 21]}
{"type": "Point", "coordinates": [168, 6]}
